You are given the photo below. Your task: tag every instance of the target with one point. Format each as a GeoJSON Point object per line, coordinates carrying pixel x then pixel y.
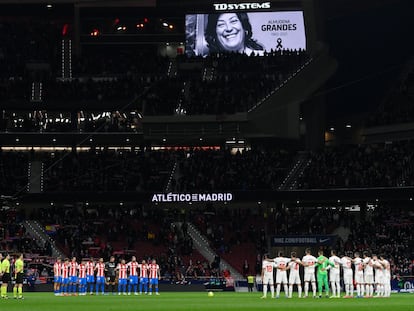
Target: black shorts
{"type": "Point", "coordinates": [5, 278]}
{"type": "Point", "coordinates": [111, 279]}
{"type": "Point", "coordinates": [19, 278]}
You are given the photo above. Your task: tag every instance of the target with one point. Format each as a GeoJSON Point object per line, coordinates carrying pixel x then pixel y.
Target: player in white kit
{"type": "Point", "coordinates": [294, 277]}
{"type": "Point", "coordinates": [309, 261]}
{"type": "Point", "coordinates": [281, 274]}
{"type": "Point", "coordinates": [334, 275]}
{"type": "Point", "coordinates": [379, 276]}
{"type": "Point", "coordinates": [346, 263]}
{"type": "Point", "coordinates": [368, 275]}
{"type": "Point", "coordinates": [359, 275]}
{"type": "Point", "coordinates": [267, 276]}
{"type": "Point", "coordinates": [387, 276]}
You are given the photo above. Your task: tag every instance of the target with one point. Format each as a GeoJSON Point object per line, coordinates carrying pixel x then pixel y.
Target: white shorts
{"type": "Point", "coordinates": [268, 279]}
{"type": "Point", "coordinates": [281, 277]}
{"type": "Point", "coordinates": [359, 278]}
{"type": "Point", "coordinates": [309, 277]}
{"type": "Point", "coordinates": [348, 278]}
{"type": "Point", "coordinates": [294, 278]}
{"type": "Point", "coordinates": [379, 278]}
{"type": "Point", "coordinates": [369, 279]}
{"type": "Point", "coordinates": [333, 276]}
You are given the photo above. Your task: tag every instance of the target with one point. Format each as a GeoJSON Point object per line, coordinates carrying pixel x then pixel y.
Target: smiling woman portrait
{"type": "Point", "coordinates": [231, 32]}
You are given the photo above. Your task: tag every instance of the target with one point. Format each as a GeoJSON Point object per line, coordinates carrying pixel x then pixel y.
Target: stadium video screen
{"type": "Point", "coordinates": [243, 32]}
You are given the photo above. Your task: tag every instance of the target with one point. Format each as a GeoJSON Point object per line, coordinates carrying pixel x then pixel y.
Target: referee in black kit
{"type": "Point", "coordinates": [111, 274]}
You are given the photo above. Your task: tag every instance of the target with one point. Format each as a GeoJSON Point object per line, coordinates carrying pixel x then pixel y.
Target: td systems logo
{"type": "Point", "coordinates": [241, 6]}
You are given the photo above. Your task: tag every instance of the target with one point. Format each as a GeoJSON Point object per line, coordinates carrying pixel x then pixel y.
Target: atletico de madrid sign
{"type": "Point", "coordinates": [191, 197]}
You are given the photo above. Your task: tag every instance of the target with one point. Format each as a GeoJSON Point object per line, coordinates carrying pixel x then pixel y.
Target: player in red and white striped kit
{"type": "Point", "coordinates": [100, 276]}
{"type": "Point", "coordinates": [57, 273]}
{"type": "Point", "coordinates": [122, 277]}
{"type": "Point", "coordinates": [65, 277]}
{"type": "Point", "coordinates": [90, 271]}
{"type": "Point", "coordinates": [154, 276]}
{"type": "Point", "coordinates": [82, 278]}
{"type": "Point", "coordinates": [143, 277]}
{"type": "Point", "coordinates": [133, 275]}
{"type": "Point", "coordinates": [73, 276]}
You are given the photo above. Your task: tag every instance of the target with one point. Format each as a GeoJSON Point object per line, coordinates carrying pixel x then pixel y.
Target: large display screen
{"type": "Point", "coordinates": [244, 32]}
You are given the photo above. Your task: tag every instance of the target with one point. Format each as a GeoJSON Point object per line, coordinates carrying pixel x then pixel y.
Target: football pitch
{"type": "Point", "coordinates": [200, 301]}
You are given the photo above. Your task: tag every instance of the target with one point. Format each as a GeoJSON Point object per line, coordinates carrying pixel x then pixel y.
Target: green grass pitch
{"type": "Point", "coordinates": [201, 302]}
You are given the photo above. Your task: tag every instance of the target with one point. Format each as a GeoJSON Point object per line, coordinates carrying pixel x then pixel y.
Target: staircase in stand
{"type": "Point", "coordinates": [201, 244]}
{"type": "Point", "coordinates": [301, 163]}
{"type": "Point", "coordinates": [36, 230]}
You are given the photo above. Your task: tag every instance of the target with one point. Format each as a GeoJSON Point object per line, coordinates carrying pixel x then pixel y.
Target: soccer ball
{"type": "Point", "coordinates": [210, 294]}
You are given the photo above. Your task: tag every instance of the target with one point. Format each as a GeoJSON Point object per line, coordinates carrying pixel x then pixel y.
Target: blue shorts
{"type": "Point", "coordinates": [122, 281]}
{"type": "Point", "coordinates": [90, 279]}
{"type": "Point", "coordinates": [73, 279]}
{"type": "Point", "coordinates": [144, 280]}
{"type": "Point", "coordinates": [100, 279]}
{"type": "Point", "coordinates": [65, 281]}
{"type": "Point", "coordinates": [133, 279]}
{"type": "Point", "coordinates": [57, 279]}
{"type": "Point", "coordinates": [82, 281]}
{"type": "Point", "coordinates": [154, 281]}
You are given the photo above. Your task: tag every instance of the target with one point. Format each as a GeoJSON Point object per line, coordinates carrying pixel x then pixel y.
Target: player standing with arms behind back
{"type": "Point", "coordinates": [133, 275]}
{"type": "Point", "coordinates": [82, 278]}
{"type": "Point", "coordinates": [309, 262]}
{"type": "Point", "coordinates": [73, 276]}
{"type": "Point", "coordinates": [100, 277]}
{"type": "Point", "coordinates": [154, 276]}
{"type": "Point", "coordinates": [267, 276]}
{"type": "Point", "coordinates": [110, 267]}
{"type": "Point", "coordinates": [143, 277]}
{"type": "Point", "coordinates": [57, 276]}
{"type": "Point", "coordinates": [122, 277]}
{"type": "Point", "coordinates": [90, 275]}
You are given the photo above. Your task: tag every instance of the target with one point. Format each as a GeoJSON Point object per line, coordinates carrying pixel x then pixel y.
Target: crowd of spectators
{"type": "Point", "coordinates": [239, 81]}
{"type": "Point", "coordinates": [125, 231]}
{"type": "Point", "coordinates": [106, 170]}
{"type": "Point", "coordinates": [355, 166]}
{"type": "Point", "coordinates": [220, 170]}
{"type": "Point", "coordinates": [384, 229]}
{"type": "Point", "coordinates": [13, 236]}
{"type": "Point", "coordinates": [152, 85]}
{"type": "Point", "coordinates": [27, 41]}
{"type": "Point", "coordinates": [13, 172]}
{"type": "Point", "coordinates": [79, 121]}
{"type": "Point", "coordinates": [399, 106]}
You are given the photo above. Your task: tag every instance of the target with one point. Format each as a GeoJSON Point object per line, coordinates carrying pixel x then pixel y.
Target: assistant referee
{"type": "Point", "coordinates": [18, 273]}
{"type": "Point", "coordinates": [5, 270]}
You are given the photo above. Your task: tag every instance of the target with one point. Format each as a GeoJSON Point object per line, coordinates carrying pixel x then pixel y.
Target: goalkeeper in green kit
{"type": "Point", "coordinates": [322, 266]}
